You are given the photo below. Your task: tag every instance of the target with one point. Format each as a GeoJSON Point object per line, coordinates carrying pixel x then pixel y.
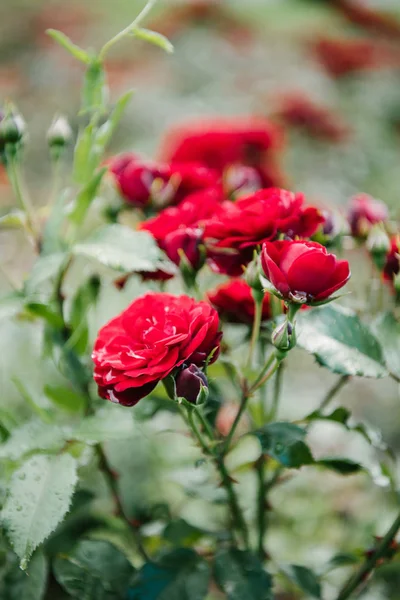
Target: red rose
{"type": "Point", "coordinates": [303, 271]}
{"type": "Point", "coordinates": [156, 334]}
{"type": "Point", "coordinates": [392, 265]}
{"type": "Point", "coordinates": [219, 144]}
{"type": "Point", "coordinates": [237, 228]}
{"type": "Point", "coordinates": [365, 211]}
{"type": "Point", "coordinates": [298, 110]}
{"type": "Point", "coordinates": [234, 302]}
{"type": "Point", "coordinates": [185, 240]}
{"type": "Point", "coordinates": [143, 181]}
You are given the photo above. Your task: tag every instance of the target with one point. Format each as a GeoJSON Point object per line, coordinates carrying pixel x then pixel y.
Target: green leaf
{"type": "Point", "coordinates": [285, 443]}
{"type": "Point", "coordinates": [20, 585]}
{"type": "Point", "coordinates": [104, 133]}
{"type": "Point", "coordinates": [83, 165]}
{"type": "Point", "coordinates": [152, 37]}
{"type": "Point", "coordinates": [45, 312]}
{"type": "Point", "coordinates": [45, 269]}
{"type": "Point", "coordinates": [340, 342]}
{"type": "Point", "coordinates": [85, 297]}
{"type": "Point", "coordinates": [95, 89]}
{"type": "Point", "coordinates": [120, 248]}
{"type": "Point", "coordinates": [32, 436]}
{"type": "Point", "coordinates": [344, 466]}
{"type": "Point", "coordinates": [107, 424]}
{"type": "Point", "coordinates": [181, 533]}
{"type": "Point", "coordinates": [52, 240]}
{"type": "Point", "coordinates": [66, 43]}
{"type": "Point", "coordinates": [241, 576]}
{"type": "Point", "coordinates": [342, 560]}
{"type": "Point", "coordinates": [15, 219]}
{"type": "Point", "coordinates": [387, 330]}
{"type": "Point", "coordinates": [66, 398]}
{"type": "Point", "coordinates": [305, 579]}
{"type": "Point", "coordinates": [178, 575]}
{"type": "Point", "coordinates": [94, 570]}
{"type": "Point", "coordinates": [38, 499]}
{"type": "Point", "coordinates": [86, 197]}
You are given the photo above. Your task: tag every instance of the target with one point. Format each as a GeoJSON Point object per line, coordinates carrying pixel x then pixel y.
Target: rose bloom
{"type": "Point", "coordinates": [141, 182]}
{"type": "Point", "coordinates": [365, 211]}
{"type": "Point", "coordinates": [237, 228]}
{"type": "Point", "coordinates": [392, 264]}
{"type": "Point", "coordinates": [303, 271]}
{"type": "Point", "coordinates": [235, 303]}
{"type": "Point", "coordinates": [155, 335]}
{"type": "Point", "coordinates": [298, 110]}
{"type": "Point", "coordinates": [219, 144]}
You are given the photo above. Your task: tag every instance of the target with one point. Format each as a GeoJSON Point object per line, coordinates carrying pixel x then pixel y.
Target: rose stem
{"type": "Point", "coordinates": [335, 389]}
{"type": "Point", "coordinates": [370, 563]}
{"type": "Point", "coordinates": [258, 304]}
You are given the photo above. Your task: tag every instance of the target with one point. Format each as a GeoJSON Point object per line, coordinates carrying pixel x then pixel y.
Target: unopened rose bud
{"type": "Point", "coordinates": [364, 212]}
{"type": "Point", "coordinates": [185, 245]}
{"type": "Point", "coordinates": [239, 179]}
{"type": "Point", "coordinates": [284, 336]}
{"type": "Point", "coordinates": [12, 129]}
{"type": "Point", "coordinates": [378, 244]}
{"type": "Point", "coordinates": [60, 133]}
{"type": "Point", "coordinates": [191, 384]}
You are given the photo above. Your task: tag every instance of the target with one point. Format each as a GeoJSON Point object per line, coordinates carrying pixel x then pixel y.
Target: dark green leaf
{"type": "Point", "coordinates": [94, 570]}
{"type": "Point", "coordinates": [45, 312]}
{"type": "Point", "coordinates": [30, 585]}
{"type": "Point", "coordinates": [241, 576]}
{"type": "Point", "coordinates": [344, 466]}
{"type": "Point", "coordinates": [340, 342]}
{"type": "Point", "coordinates": [387, 330]}
{"type": "Point", "coordinates": [178, 575]}
{"type": "Point", "coordinates": [95, 88]}
{"type": "Point", "coordinates": [181, 533]}
{"type": "Point", "coordinates": [305, 579]}
{"type": "Point", "coordinates": [121, 248]}
{"type": "Point", "coordinates": [157, 39]}
{"type": "Point", "coordinates": [86, 197]}
{"type": "Point", "coordinates": [342, 560]}
{"type": "Point", "coordinates": [38, 499]}
{"type": "Point", "coordinates": [65, 397]}
{"type": "Point", "coordinates": [285, 443]}
{"type": "Point", "coordinates": [66, 43]}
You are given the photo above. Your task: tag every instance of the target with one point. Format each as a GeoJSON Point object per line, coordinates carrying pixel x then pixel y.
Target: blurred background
{"type": "Point", "coordinates": [328, 72]}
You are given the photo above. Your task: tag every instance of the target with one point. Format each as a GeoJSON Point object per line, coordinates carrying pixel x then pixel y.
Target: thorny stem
{"type": "Point", "coordinates": [335, 389]}
{"type": "Point", "coordinates": [135, 23]}
{"type": "Point", "coordinates": [277, 391]}
{"type": "Point", "coordinates": [113, 487]}
{"type": "Point", "coordinates": [370, 563]}
{"type": "Point", "coordinates": [263, 489]}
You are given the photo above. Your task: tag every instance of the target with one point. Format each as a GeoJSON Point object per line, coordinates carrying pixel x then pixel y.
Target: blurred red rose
{"type": "Point", "coordinates": [187, 241]}
{"type": "Point", "coordinates": [148, 340]}
{"type": "Point", "coordinates": [219, 144]}
{"type": "Point", "coordinates": [142, 182]}
{"type": "Point", "coordinates": [298, 110]}
{"type": "Point", "coordinates": [392, 265]}
{"type": "Point", "coordinates": [237, 228]}
{"type": "Point", "coordinates": [344, 56]}
{"type": "Point", "coordinates": [235, 303]}
{"type": "Point", "coordinates": [303, 271]}
{"type": "Point", "coordinates": [365, 211]}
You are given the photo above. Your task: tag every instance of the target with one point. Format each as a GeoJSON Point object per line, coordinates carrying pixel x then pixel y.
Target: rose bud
{"type": "Point", "coordinates": [59, 133]}
{"type": "Point", "coordinates": [190, 383]}
{"type": "Point", "coordinates": [253, 273]}
{"type": "Point", "coordinates": [392, 264]}
{"type": "Point", "coordinates": [12, 129]}
{"type": "Point", "coordinates": [378, 244]}
{"type": "Point", "coordinates": [284, 336]}
{"type": "Point", "coordinates": [303, 272]}
{"type": "Point", "coordinates": [364, 212]}
{"type": "Point", "coordinates": [184, 244]}
{"type": "Point", "coordinates": [239, 179]}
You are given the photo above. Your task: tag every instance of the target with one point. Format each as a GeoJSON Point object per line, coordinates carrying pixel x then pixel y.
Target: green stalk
{"type": "Point", "coordinates": [258, 304]}
{"type": "Point", "coordinates": [23, 201]}
{"type": "Point", "coordinates": [335, 389]}
{"type": "Point", "coordinates": [370, 563]}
